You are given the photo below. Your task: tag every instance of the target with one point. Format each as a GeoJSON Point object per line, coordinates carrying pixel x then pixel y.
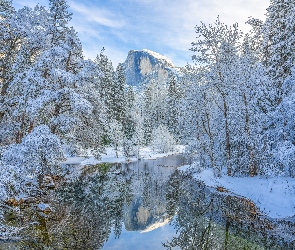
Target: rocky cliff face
{"type": "Point", "coordinates": [143, 65]}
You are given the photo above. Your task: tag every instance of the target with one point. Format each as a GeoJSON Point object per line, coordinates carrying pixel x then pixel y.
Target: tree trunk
{"type": "Point", "coordinates": [116, 149]}
{"type": "Point", "coordinates": [227, 224]}
{"type": "Point", "coordinates": [252, 166]}
{"type": "Point", "coordinates": [227, 146]}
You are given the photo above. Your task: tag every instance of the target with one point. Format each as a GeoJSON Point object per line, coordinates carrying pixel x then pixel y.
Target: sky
{"type": "Point", "coordinates": [164, 26]}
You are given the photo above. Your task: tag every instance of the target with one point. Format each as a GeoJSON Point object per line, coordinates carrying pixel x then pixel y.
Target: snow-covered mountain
{"type": "Point", "coordinates": [143, 65]}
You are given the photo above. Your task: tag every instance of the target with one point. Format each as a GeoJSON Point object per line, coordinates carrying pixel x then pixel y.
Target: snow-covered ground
{"type": "Point", "coordinates": [273, 196]}
{"type": "Point", "coordinates": [110, 156]}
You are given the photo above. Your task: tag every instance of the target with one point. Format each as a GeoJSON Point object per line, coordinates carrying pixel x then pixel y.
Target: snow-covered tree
{"type": "Point", "coordinates": [38, 154]}
{"type": "Point", "coordinates": [133, 124]}
{"type": "Point", "coordinates": [216, 49]}
{"type": "Point", "coordinates": [119, 99]}
{"type": "Point", "coordinates": [53, 84]}
{"type": "Point", "coordinates": [173, 98]}
{"type": "Point", "coordinates": [9, 43]}
{"type": "Point", "coordinates": [59, 18]}
{"type": "Point", "coordinates": [278, 44]}
{"type": "Point", "coordinates": [115, 135]}
{"type": "Point", "coordinates": [106, 81]}
{"type": "Point", "coordinates": [88, 136]}
{"type": "Point", "coordinates": [22, 38]}
{"type": "Point", "coordinates": [198, 116]}
{"type": "Point", "coordinates": [154, 107]}
{"type": "Point", "coordinates": [279, 136]}
{"type": "Point", "coordinates": [162, 141]}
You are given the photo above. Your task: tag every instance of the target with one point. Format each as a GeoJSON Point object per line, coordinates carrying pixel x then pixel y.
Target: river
{"type": "Point", "coordinates": [147, 204]}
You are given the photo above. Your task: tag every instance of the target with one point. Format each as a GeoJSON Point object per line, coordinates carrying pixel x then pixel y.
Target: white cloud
{"type": "Point", "coordinates": [95, 14]}
{"type": "Point", "coordinates": [170, 24]}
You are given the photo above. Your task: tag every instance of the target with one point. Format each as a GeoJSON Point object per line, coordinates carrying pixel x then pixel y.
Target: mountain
{"type": "Point", "coordinates": [143, 65]}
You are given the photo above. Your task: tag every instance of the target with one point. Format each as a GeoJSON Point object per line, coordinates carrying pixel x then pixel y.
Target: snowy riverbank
{"type": "Point", "coordinates": [110, 156]}
{"type": "Point", "coordinates": [273, 196]}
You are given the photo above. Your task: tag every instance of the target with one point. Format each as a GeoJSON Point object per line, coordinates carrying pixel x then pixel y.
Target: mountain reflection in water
{"type": "Point", "coordinates": [129, 206]}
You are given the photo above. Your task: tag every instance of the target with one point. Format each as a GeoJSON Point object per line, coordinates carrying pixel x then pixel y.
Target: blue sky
{"type": "Point", "coordinates": [164, 26]}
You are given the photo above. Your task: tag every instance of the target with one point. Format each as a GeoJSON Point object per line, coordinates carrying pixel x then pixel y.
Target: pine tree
{"type": "Point", "coordinates": [154, 107]}
{"type": "Point", "coordinates": [174, 96]}
{"type": "Point", "coordinates": [59, 18]}
{"type": "Point", "coordinates": [129, 125]}
{"type": "Point", "coordinates": [106, 81]}
{"type": "Point", "coordinates": [278, 44]}
{"type": "Point", "coordinates": [133, 124]}
{"type": "Point", "coordinates": [118, 100]}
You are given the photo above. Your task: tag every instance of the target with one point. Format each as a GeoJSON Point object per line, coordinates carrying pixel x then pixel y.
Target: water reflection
{"type": "Point", "coordinates": [211, 219]}
{"type": "Point", "coordinates": [132, 204]}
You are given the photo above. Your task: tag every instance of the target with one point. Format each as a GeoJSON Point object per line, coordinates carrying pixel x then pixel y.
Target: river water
{"type": "Point", "coordinates": [147, 204]}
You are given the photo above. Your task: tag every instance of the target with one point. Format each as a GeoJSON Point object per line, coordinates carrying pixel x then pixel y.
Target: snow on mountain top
{"type": "Point", "coordinates": [158, 56]}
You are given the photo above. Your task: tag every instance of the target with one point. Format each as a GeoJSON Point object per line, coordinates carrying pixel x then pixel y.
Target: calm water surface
{"type": "Point", "coordinates": [143, 205]}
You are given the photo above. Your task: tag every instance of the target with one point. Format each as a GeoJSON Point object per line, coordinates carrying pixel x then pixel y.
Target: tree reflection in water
{"type": "Point", "coordinates": [141, 196]}
{"type": "Point", "coordinates": [103, 198]}
{"type": "Point", "coordinates": [207, 219]}
{"type": "Point", "coordinates": [84, 212]}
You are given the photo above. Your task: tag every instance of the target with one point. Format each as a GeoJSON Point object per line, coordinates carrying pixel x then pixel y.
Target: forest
{"type": "Point", "coordinates": [233, 107]}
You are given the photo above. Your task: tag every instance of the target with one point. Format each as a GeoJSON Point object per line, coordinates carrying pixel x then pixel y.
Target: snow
{"type": "Point", "coordinates": [74, 160]}
{"type": "Point", "coordinates": [176, 71]}
{"type": "Point", "coordinates": [110, 156]}
{"type": "Point", "coordinates": [184, 168]}
{"type": "Point", "coordinates": [148, 154]}
{"type": "Point", "coordinates": [43, 206]}
{"type": "Point", "coordinates": [145, 66]}
{"type": "Point", "coordinates": [273, 196]}
{"type": "Point", "coordinates": [159, 56]}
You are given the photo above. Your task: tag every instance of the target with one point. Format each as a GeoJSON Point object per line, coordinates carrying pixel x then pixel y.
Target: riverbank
{"type": "Point", "coordinates": [273, 196]}
{"type": "Point", "coordinates": [110, 156]}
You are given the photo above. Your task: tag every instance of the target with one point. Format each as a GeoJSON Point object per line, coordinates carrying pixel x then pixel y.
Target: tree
{"type": "Point", "coordinates": [173, 98]}
{"type": "Point", "coordinates": [88, 136]}
{"type": "Point", "coordinates": [279, 151]}
{"type": "Point", "coordinates": [279, 39]}
{"type": "Point", "coordinates": [118, 99]}
{"type": "Point", "coordinates": [22, 38]}
{"type": "Point", "coordinates": [154, 107]}
{"type": "Point", "coordinates": [199, 120]}
{"type": "Point", "coordinates": [115, 135]}
{"type": "Point", "coordinates": [38, 154]}
{"type": "Point", "coordinates": [217, 50]}
{"type": "Point", "coordinates": [162, 140]}
{"type": "Point", "coordinates": [9, 43]}
{"type": "Point", "coordinates": [59, 18]}
{"type": "Point", "coordinates": [54, 85]}
{"type": "Point", "coordinates": [133, 124]}
{"type": "Point", "coordinates": [106, 81]}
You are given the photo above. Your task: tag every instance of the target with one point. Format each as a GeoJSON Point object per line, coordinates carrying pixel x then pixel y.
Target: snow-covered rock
{"type": "Point", "coordinates": [142, 65]}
